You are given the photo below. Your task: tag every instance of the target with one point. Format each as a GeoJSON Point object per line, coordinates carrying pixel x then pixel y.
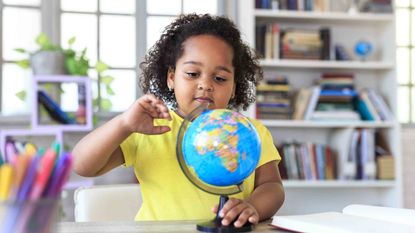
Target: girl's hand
{"type": "Point", "coordinates": [239, 210]}
{"type": "Point", "coordinates": [139, 117]}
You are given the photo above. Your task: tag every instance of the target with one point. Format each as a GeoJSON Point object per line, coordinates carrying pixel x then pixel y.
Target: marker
{"type": "Point", "coordinates": [10, 152]}
{"type": "Point", "coordinates": [59, 175]}
{"type": "Point", "coordinates": [26, 186]}
{"type": "Point", "coordinates": [21, 166]}
{"type": "Point", "coordinates": [44, 170]}
{"type": "Point", "coordinates": [1, 159]}
{"type": "Point", "coordinates": [30, 149]}
{"type": "Point", "coordinates": [6, 178]}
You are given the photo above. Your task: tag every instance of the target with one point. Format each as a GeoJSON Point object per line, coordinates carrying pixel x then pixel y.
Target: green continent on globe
{"type": "Point", "coordinates": [222, 140]}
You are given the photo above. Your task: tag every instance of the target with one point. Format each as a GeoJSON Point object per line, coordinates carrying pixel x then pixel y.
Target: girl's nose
{"type": "Point", "coordinates": [205, 85]}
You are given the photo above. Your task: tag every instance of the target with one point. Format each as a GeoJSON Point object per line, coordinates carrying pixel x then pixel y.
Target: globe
{"type": "Point", "coordinates": [222, 147]}
{"type": "Point", "coordinates": [217, 150]}
{"type": "Point", "coordinates": [363, 49]}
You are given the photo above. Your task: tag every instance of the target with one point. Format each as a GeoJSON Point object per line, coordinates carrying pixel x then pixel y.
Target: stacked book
{"type": "Point", "coordinates": [336, 98]}
{"type": "Point", "coordinates": [307, 161]}
{"type": "Point", "coordinates": [273, 100]}
{"type": "Point", "coordinates": [305, 44]}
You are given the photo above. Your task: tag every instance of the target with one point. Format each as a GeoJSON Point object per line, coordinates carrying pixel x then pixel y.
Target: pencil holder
{"type": "Point", "coordinates": [28, 216]}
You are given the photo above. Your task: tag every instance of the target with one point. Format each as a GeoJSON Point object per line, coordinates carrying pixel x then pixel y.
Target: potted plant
{"type": "Point", "coordinates": [50, 58]}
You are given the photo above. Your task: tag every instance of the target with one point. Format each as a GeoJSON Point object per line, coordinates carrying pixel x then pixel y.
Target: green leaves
{"type": "Point", "coordinates": [71, 41]}
{"type": "Point", "coordinates": [107, 80]}
{"type": "Point", "coordinates": [101, 67]}
{"type": "Point", "coordinates": [45, 43]}
{"type": "Point", "coordinates": [43, 40]}
{"type": "Point", "coordinates": [21, 95]}
{"type": "Point", "coordinates": [24, 64]}
{"type": "Point", "coordinates": [20, 50]}
{"type": "Point", "coordinates": [106, 104]}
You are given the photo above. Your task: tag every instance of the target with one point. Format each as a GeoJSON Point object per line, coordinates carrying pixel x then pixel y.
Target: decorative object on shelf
{"type": "Point", "coordinates": [80, 120]}
{"type": "Point", "coordinates": [362, 49]}
{"type": "Point", "coordinates": [220, 164]}
{"type": "Point", "coordinates": [340, 53]}
{"type": "Point", "coordinates": [53, 59]}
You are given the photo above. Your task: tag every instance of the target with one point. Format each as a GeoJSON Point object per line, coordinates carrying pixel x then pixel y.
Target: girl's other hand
{"type": "Point", "coordinates": [139, 117]}
{"type": "Point", "coordinates": [239, 211]}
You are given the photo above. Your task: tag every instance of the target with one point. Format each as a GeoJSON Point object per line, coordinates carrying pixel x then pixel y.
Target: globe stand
{"type": "Point", "coordinates": [215, 225]}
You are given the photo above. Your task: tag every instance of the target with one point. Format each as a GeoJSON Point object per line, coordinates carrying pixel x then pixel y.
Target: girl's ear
{"type": "Point", "coordinates": [170, 79]}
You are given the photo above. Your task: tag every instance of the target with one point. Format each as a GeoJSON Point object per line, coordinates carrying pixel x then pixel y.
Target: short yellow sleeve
{"type": "Point", "coordinates": [268, 150]}
{"type": "Point", "coordinates": [129, 149]}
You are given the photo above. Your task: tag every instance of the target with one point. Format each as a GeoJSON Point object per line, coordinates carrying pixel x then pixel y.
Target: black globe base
{"type": "Point", "coordinates": [215, 225]}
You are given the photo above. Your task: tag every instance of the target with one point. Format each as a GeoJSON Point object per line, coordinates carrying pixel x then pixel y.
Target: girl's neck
{"type": "Point", "coordinates": [180, 113]}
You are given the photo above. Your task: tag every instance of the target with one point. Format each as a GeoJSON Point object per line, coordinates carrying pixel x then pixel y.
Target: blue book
{"type": "Point", "coordinates": [343, 92]}
{"type": "Point", "coordinates": [364, 111]}
{"type": "Point", "coordinates": [53, 108]}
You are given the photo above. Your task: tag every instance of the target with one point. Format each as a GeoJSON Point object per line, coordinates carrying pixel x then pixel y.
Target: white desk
{"type": "Point", "coordinates": [139, 227]}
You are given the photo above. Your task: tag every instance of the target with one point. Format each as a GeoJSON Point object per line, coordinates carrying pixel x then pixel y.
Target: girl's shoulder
{"type": "Point", "coordinates": [259, 126]}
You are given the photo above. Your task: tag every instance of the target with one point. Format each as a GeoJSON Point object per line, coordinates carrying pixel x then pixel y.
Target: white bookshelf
{"type": "Point", "coordinates": [378, 72]}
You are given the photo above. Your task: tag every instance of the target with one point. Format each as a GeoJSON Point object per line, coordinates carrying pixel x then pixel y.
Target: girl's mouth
{"type": "Point", "coordinates": [203, 100]}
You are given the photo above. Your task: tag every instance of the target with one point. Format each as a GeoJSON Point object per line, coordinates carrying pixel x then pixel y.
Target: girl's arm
{"type": "Point", "coordinates": [264, 202]}
{"type": "Point", "coordinates": [99, 151]}
{"type": "Point", "coordinates": [268, 194]}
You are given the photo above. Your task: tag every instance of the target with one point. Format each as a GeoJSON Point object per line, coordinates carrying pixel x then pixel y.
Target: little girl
{"type": "Point", "coordinates": [198, 59]}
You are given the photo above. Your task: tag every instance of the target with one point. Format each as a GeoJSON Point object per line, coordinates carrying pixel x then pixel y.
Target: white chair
{"type": "Point", "coordinates": [107, 202]}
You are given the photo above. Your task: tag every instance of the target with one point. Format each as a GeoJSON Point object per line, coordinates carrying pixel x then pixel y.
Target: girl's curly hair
{"type": "Point", "coordinates": [168, 49]}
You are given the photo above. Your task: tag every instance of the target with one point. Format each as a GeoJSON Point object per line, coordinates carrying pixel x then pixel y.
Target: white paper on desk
{"type": "Point", "coordinates": [355, 218]}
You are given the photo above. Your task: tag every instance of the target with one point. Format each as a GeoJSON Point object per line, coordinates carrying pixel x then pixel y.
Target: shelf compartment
{"type": "Point", "coordinates": [58, 79]}
{"type": "Point", "coordinates": [320, 64]}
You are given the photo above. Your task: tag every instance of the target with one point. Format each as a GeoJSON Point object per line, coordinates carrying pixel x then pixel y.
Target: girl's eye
{"type": "Point", "coordinates": [192, 74]}
{"type": "Point", "coordinates": [220, 79]}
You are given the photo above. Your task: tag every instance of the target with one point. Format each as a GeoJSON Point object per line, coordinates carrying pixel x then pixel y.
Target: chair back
{"type": "Point", "coordinates": [107, 202]}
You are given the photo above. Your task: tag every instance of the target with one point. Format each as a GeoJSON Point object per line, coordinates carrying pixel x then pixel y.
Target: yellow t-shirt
{"type": "Point", "coordinates": [167, 193]}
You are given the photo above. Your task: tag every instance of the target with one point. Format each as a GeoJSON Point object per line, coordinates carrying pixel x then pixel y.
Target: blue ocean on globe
{"type": "Point", "coordinates": [222, 147]}
{"type": "Point", "coordinates": [363, 48]}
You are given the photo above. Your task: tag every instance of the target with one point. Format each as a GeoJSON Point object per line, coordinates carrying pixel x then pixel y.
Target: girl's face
{"type": "Point", "coordinates": [204, 73]}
